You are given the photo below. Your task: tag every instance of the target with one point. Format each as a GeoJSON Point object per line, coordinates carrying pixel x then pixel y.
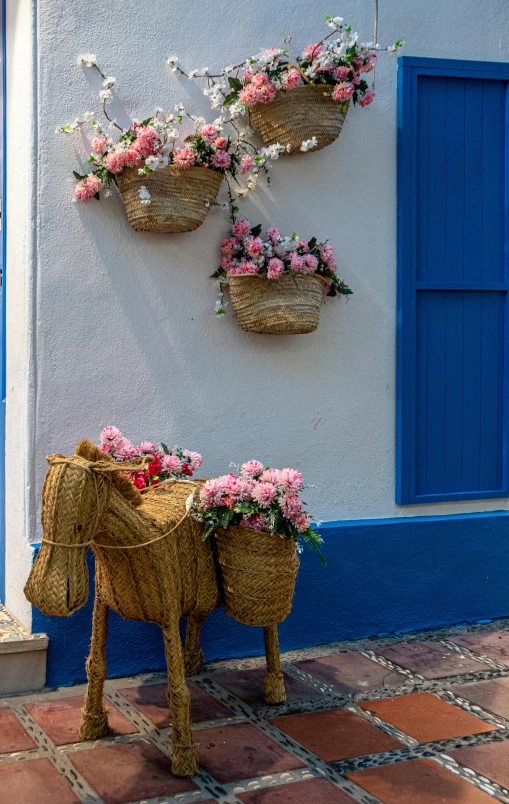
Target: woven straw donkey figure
{"type": "Point", "coordinates": [151, 565]}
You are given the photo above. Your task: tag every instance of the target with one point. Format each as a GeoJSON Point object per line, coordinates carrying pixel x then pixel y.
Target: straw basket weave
{"type": "Point", "coordinates": [259, 571]}
{"type": "Point", "coordinates": [299, 114]}
{"type": "Point", "coordinates": [285, 306]}
{"type": "Point", "coordinates": [178, 198]}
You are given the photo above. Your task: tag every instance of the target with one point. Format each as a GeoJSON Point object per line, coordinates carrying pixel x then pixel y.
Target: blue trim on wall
{"type": "Point", "coordinates": [383, 576]}
{"type": "Point", "coordinates": [407, 491]}
{"type": "Point", "coordinates": [3, 157]}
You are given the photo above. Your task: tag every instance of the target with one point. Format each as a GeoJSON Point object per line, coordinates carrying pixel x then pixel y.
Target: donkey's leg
{"type": "Point", "coordinates": [95, 718]}
{"type": "Point", "coordinates": [193, 654]}
{"type": "Point", "coordinates": [274, 686]}
{"type": "Point", "coordinates": [184, 762]}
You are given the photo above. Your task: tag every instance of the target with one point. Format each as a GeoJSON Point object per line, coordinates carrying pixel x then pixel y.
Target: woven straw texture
{"type": "Point", "coordinates": [284, 306]}
{"type": "Point", "coordinates": [259, 571]}
{"type": "Point", "coordinates": [298, 115]}
{"type": "Point", "coordinates": [177, 198]}
{"type": "Point", "coordinates": [151, 564]}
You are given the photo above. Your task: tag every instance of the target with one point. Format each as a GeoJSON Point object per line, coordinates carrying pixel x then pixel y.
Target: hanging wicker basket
{"type": "Point", "coordinates": [178, 198]}
{"type": "Point", "coordinates": [289, 305]}
{"type": "Point", "coordinates": [259, 571]}
{"type": "Point", "coordinates": [299, 114]}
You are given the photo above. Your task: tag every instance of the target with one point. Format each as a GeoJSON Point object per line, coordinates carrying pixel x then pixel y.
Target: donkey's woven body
{"type": "Point", "coordinates": [151, 565]}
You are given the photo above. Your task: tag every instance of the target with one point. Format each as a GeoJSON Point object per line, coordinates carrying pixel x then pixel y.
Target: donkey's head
{"type": "Point", "coordinates": [75, 496]}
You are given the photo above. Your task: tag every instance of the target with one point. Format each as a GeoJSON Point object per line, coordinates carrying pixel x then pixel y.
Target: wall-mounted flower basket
{"type": "Point", "coordinates": [288, 305]}
{"type": "Point", "coordinates": [296, 116]}
{"type": "Point", "coordinates": [179, 199]}
{"type": "Point", "coordinates": [259, 570]}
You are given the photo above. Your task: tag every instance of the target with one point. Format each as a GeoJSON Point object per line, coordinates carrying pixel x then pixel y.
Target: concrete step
{"type": "Point", "coordinates": [22, 656]}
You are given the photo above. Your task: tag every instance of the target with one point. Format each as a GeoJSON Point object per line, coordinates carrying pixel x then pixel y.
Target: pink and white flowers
{"type": "Point", "coordinates": [245, 252]}
{"type": "Point", "coordinates": [166, 463]}
{"type": "Point", "coordinates": [260, 499]}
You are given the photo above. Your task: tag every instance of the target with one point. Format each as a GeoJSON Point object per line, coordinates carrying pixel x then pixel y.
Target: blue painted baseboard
{"type": "Point", "coordinates": [382, 576]}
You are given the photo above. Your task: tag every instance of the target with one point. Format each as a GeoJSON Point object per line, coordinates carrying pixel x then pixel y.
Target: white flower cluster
{"type": "Point", "coordinates": [172, 62]}
{"type": "Point", "coordinates": [88, 59]}
{"type": "Point", "coordinates": [144, 195]}
{"type": "Point", "coordinates": [308, 144]}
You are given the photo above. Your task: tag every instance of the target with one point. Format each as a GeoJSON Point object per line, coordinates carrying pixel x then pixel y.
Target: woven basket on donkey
{"type": "Point", "coordinates": [259, 571]}
{"type": "Point", "coordinates": [299, 114]}
{"type": "Point", "coordinates": [286, 306]}
{"type": "Point", "coordinates": [178, 197]}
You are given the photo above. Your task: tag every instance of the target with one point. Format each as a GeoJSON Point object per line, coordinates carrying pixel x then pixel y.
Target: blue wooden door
{"type": "Point", "coordinates": [452, 281]}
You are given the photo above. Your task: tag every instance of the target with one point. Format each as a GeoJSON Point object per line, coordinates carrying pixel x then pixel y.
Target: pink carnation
{"type": "Point", "coordinates": [226, 263]}
{"type": "Point", "coordinates": [93, 183]}
{"type": "Point", "coordinates": [99, 145]}
{"type": "Point", "coordinates": [292, 78]}
{"type": "Point", "coordinates": [303, 245]}
{"type": "Point", "coordinates": [110, 434]}
{"type": "Point", "coordinates": [235, 487]}
{"type": "Point", "coordinates": [184, 159]}
{"type": "Point", "coordinates": [332, 265]}
{"type": "Point", "coordinates": [341, 72]}
{"type": "Point", "coordinates": [229, 245]}
{"type": "Point", "coordinates": [255, 522]}
{"type": "Point", "coordinates": [296, 262]}
{"type": "Point", "coordinates": [311, 52]}
{"type": "Point", "coordinates": [211, 492]}
{"type": "Point", "coordinates": [274, 235]}
{"type": "Point", "coordinates": [132, 157]}
{"type": "Point", "coordinates": [246, 163]}
{"type": "Point", "coordinates": [82, 192]}
{"type": "Point", "coordinates": [146, 447]}
{"type": "Point", "coordinates": [146, 141]}
{"type": "Point", "coordinates": [367, 66]}
{"type": "Point", "coordinates": [194, 458]}
{"type": "Point", "coordinates": [251, 468]}
{"type": "Point", "coordinates": [221, 160]}
{"type": "Point", "coordinates": [123, 449]}
{"type": "Point", "coordinates": [264, 494]}
{"type": "Point", "coordinates": [291, 504]}
{"type": "Point", "coordinates": [327, 252]}
{"type": "Point", "coordinates": [311, 263]}
{"type": "Point", "coordinates": [209, 132]}
{"type": "Point", "coordinates": [367, 98]}
{"type": "Point", "coordinates": [290, 479]}
{"type": "Point", "coordinates": [241, 228]}
{"type": "Point", "coordinates": [301, 521]}
{"type": "Point", "coordinates": [267, 93]}
{"type": "Point", "coordinates": [114, 161]}
{"type": "Point", "coordinates": [276, 268]}
{"type": "Point", "coordinates": [247, 75]}
{"type": "Point", "coordinates": [220, 142]}
{"type": "Point", "coordinates": [248, 267]}
{"type": "Point", "coordinates": [249, 95]}
{"type": "Point", "coordinates": [343, 91]}
{"type": "Point", "coordinates": [270, 476]}
{"type": "Point", "coordinates": [172, 463]}
{"type": "Point", "coordinates": [259, 80]}
{"type": "Point", "coordinates": [254, 246]}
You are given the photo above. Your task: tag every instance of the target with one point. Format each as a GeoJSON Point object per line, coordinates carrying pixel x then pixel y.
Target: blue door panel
{"type": "Point", "coordinates": [452, 281]}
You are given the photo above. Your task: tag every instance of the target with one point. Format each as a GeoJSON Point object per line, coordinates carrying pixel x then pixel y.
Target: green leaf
{"type": "Point", "coordinates": [78, 176]}
{"type": "Point", "coordinates": [235, 83]}
{"type": "Point", "coordinates": [255, 231]}
{"type": "Point", "coordinates": [97, 196]}
{"type": "Point", "coordinates": [231, 98]}
{"type": "Point", "coordinates": [312, 243]}
{"type": "Point", "coordinates": [165, 449]}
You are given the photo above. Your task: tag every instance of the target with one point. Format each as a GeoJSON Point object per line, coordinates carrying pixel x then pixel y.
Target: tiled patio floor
{"type": "Point", "coordinates": [420, 719]}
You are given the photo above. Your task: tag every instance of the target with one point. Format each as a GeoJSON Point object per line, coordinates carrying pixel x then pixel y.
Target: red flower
{"type": "Point", "coordinates": [154, 467]}
{"type": "Point", "coordinates": [139, 482]}
{"type": "Point", "coordinates": [186, 469]}
{"type": "Point", "coordinates": [155, 481]}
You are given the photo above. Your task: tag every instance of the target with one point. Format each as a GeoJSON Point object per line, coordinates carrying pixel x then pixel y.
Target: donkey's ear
{"type": "Point", "coordinates": [56, 457]}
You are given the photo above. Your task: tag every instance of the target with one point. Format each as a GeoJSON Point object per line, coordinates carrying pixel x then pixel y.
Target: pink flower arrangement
{"type": "Point", "coordinates": [260, 499]}
{"type": "Point", "coordinates": [245, 252]}
{"type": "Point", "coordinates": [166, 463]}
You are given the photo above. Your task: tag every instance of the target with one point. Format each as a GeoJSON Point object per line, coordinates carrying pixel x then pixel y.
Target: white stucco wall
{"type": "Point", "coordinates": [123, 330]}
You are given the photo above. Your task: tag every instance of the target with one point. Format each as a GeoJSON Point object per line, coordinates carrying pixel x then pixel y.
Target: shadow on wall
{"type": "Point", "coordinates": [382, 576]}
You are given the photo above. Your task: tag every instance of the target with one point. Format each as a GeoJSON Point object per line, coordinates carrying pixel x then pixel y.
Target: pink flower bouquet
{"type": "Point", "coordinates": [259, 499]}
{"type": "Point", "coordinates": [166, 463]}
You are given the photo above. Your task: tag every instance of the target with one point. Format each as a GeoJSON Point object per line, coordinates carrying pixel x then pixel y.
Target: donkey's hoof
{"type": "Point", "coordinates": [193, 662]}
{"type": "Point", "coordinates": [93, 726]}
{"type": "Point", "coordinates": [274, 688]}
{"type": "Point", "coordinates": [185, 761]}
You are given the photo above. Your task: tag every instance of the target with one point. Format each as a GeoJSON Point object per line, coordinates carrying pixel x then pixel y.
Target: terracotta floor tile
{"type": "Point", "coordinates": [491, 760]}
{"type": "Point", "coordinates": [13, 736]}
{"type": "Point", "coordinates": [129, 772]}
{"type": "Point", "coordinates": [491, 695]}
{"type": "Point", "coordinates": [350, 672]}
{"type": "Point", "coordinates": [240, 751]}
{"type": "Point", "coordinates": [418, 781]}
{"type": "Point", "coordinates": [248, 685]}
{"type": "Point", "coordinates": [61, 719]}
{"type": "Point", "coordinates": [335, 734]}
{"type": "Point", "coordinates": [494, 645]}
{"type": "Point", "coordinates": [312, 791]}
{"type": "Point", "coordinates": [426, 717]}
{"type": "Point", "coordinates": [151, 700]}
{"type": "Point", "coordinates": [34, 781]}
{"type": "Point", "coordinates": [430, 659]}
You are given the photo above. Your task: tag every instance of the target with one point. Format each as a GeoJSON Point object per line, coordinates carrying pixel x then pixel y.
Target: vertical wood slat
{"type": "Point", "coordinates": [458, 348]}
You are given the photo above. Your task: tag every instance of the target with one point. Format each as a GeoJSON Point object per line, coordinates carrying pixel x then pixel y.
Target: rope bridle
{"type": "Point", "coordinates": [95, 470]}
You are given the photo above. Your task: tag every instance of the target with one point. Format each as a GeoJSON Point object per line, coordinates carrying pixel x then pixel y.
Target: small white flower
{"type": "Point", "coordinates": [105, 94]}
{"type": "Point", "coordinates": [193, 74]}
{"type": "Point", "coordinates": [109, 81]}
{"type": "Point", "coordinates": [88, 117]}
{"type": "Point", "coordinates": [141, 172]}
{"type": "Point", "coordinates": [308, 144]}
{"type": "Point", "coordinates": [144, 195]}
{"type": "Point", "coordinates": [172, 63]}
{"type": "Point", "coordinates": [336, 23]}
{"type": "Point", "coordinates": [152, 162]}
{"type": "Point", "coordinates": [207, 203]}
{"type": "Point", "coordinates": [227, 69]}
{"type": "Point", "coordinates": [179, 107]}
{"type": "Point", "coordinates": [88, 59]}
